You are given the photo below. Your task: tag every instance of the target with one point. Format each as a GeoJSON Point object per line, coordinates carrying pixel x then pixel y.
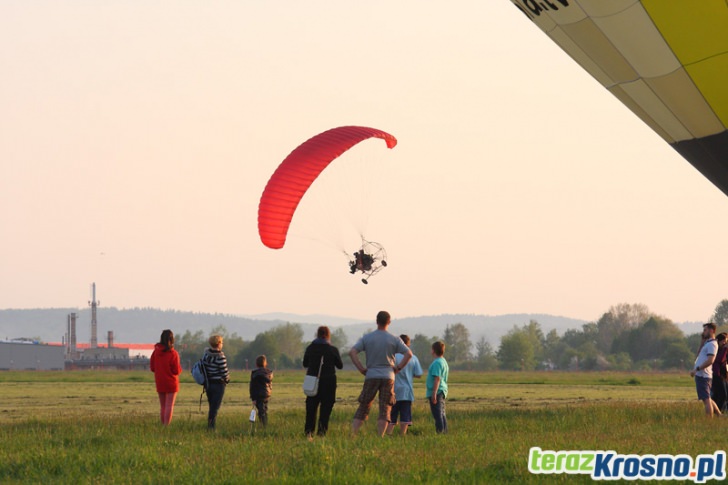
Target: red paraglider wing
{"type": "Point", "coordinates": [297, 172]}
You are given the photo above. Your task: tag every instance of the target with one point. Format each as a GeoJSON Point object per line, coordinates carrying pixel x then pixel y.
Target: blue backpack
{"type": "Point", "coordinates": [199, 373]}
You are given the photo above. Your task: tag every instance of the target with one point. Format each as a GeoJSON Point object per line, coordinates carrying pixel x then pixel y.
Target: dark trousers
{"type": "Point", "coordinates": [215, 393]}
{"type": "Point", "coordinates": [720, 392]}
{"type": "Point", "coordinates": [262, 406]}
{"type": "Point", "coordinates": [325, 398]}
{"type": "Point", "coordinates": [438, 412]}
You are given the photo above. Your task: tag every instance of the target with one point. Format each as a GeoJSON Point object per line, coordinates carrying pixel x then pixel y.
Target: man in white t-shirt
{"type": "Point", "coordinates": [703, 370]}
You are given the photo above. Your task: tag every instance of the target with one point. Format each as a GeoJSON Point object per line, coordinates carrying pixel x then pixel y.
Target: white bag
{"type": "Point", "coordinates": [311, 383]}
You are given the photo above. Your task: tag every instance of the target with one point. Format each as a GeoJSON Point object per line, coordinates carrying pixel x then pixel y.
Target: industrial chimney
{"type": "Point", "coordinates": [72, 335]}
{"type": "Point", "coordinates": [94, 324]}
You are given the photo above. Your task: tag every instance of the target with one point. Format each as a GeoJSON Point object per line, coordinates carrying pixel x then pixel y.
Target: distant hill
{"type": "Point", "coordinates": [134, 325]}
{"type": "Point", "coordinates": [139, 325]}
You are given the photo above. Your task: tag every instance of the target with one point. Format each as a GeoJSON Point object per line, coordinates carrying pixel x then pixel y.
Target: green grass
{"type": "Point", "coordinates": [86, 427]}
{"type": "Point", "coordinates": [670, 379]}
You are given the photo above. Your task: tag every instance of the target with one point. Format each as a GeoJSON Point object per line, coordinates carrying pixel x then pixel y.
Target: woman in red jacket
{"type": "Point", "coordinates": [166, 367]}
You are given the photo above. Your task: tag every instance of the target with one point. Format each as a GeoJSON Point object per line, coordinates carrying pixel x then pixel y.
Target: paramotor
{"type": "Point", "coordinates": [368, 260]}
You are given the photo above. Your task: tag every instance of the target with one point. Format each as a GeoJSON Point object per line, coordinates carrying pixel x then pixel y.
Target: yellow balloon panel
{"type": "Point", "coordinates": [666, 60]}
{"type": "Point", "coordinates": [711, 77]}
{"type": "Point", "coordinates": [695, 30]}
{"type": "Point", "coordinates": [634, 35]}
{"type": "Point", "coordinates": [687, 104]}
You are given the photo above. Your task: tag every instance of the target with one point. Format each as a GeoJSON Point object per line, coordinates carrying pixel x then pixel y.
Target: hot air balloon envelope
{"type": "Point", "coordinates": [666, 60]}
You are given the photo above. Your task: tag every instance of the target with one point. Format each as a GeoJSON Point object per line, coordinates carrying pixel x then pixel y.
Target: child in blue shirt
{"type": "Point", "coordinates": [437, 386]}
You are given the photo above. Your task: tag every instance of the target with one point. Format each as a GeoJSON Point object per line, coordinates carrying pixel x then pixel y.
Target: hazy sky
{"type": "Point", "coordinates": [136, 139]}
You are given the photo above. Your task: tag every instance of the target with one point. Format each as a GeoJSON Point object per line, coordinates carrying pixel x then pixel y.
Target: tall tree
{"type": "Point", "coordinates": [618, 319]}
{"type": "Point", "coordinates": [649, 340]}
{"type": "Point", "coordinates": [263, 344]}
{"type": "Point", "coordinates": [421, 346]}
{"type": "Point", "coordinates": [516, 351]}
{"type": "Point", "coordinates": [190, 347]}
{"type": "Point", "coordinates": [720, 315]}
{"type": "Point", "coordinates": [339, 339]}
{"type": "Point", "coordinates": [534, 332]}
{"type": "Point", "coordinates": [282, 345]}
{"type": "Point", "coordinates": [552, 348]}
{"type": "Point", "coordinates": [290, 344]}
{"type": "Point", "coordinates": [677, 355]}
{"type": "Point", "coordinates": [458, 344]}
{"type": "Point", "coordinates": [485, 355]}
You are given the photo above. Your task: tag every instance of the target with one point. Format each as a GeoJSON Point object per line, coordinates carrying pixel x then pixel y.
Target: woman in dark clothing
{"type": "Point", "coordinates": [217, 377]}
{"type": "Point", "coordinates": [719, 390]}
{"type": "Point", "coordinates": [321, 347]}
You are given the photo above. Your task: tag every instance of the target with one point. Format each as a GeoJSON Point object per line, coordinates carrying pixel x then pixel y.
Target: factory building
{"type": "Point", "coordinates": [97, 356]}
{"type": "Point", "coordinates": [120, 356]}
{"type": "Point", "coordinates": [26, 354]}
{"type": "Point", "coordinates": [29, 355]}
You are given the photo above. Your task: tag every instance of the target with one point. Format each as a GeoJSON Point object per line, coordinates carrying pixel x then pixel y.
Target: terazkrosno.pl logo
{"type": "Point", "coordinates": [609, 465]}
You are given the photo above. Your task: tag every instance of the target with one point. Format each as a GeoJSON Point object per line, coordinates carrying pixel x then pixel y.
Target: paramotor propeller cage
{"type": "Point", "coordinates": [369, 260]}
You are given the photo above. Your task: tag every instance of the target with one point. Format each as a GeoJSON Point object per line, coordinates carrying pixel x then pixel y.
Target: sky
{"type": "Point", "coordinates": [136, 139]}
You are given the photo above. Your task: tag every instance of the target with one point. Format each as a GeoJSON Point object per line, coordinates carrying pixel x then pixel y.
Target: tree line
{"type": "Point", "coordinates": [626, 337]}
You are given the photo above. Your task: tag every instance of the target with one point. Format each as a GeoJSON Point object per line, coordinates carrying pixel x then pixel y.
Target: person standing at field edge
{"type": "Point", "coordinates": [404, 392]}
{"type": "Point", "coordinates": [719, 392]}
{"type": "Point", "coordinates": [380, 347]}
{"type": "Point", "coordinates": [437, 386]}
{"type": "Point", "coordinates": [218, 377]}
{"type": "Point", "coordinates": [703, 370]}
{"type": "Point", "coordinates": [166, 367]}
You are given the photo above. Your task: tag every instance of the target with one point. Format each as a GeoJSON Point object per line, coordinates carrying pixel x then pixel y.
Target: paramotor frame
{"type": "Point", "coordinates": [369, 260]}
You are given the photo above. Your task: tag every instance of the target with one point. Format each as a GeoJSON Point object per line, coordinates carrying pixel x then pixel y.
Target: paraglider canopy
{"type": "Point", "coordinates": [297, 172]}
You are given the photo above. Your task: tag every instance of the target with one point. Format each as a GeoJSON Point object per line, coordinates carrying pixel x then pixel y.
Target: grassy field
{"type": "Point", "coordinates": [103, 427]}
